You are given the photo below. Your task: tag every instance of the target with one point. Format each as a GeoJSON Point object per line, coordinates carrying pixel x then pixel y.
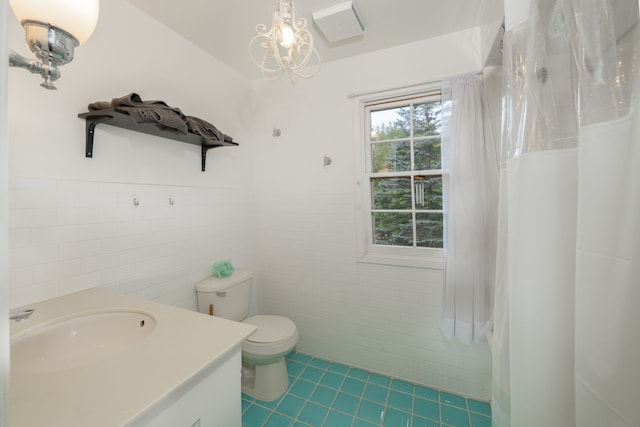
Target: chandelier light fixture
{"type": "Point", "coordinates": [52, 30]}
{"type": "Point", "coordinates": [286, 46]}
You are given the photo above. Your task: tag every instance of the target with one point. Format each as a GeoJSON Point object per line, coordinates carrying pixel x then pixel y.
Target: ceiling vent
{"type": "Point", "coordinates": [339, 22]}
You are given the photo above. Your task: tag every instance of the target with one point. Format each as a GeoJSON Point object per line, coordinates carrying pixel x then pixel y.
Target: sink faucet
{"type": "Point", "coordinates": [21, 315]}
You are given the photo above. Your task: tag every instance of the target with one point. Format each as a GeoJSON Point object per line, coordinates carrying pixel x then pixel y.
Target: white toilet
{"type": "Point", "coordinates": [264, 372]}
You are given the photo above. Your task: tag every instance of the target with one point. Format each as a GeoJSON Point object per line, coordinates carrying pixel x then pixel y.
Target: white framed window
{"type": "Point", "coordinates": [399, 177]}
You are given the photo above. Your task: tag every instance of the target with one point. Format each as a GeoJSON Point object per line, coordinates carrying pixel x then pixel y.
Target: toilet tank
{"type": "Point", "coordinates": [230, 296]}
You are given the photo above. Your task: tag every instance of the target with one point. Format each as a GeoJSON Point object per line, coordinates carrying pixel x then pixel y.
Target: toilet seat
{"type": "Point", "coordinates": [275, 334]}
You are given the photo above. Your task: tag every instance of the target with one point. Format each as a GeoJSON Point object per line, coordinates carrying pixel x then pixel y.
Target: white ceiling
{"type": "Point", "coordinates": [224, 28]}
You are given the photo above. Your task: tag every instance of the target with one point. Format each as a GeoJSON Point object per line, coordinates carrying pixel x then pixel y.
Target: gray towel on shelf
{"type": "Point", "coordinates": [164, 116]}
{"type": "Point", "coordinates": [163, 119]}
{"type": "Point", "coordinates": [130, 100]}
{"type": "Point", "coordinates": [204, 129]}
{"type": "Point", "coordinates": [159, 113]}
{"type": "Point", "coordinates": [100, 105]}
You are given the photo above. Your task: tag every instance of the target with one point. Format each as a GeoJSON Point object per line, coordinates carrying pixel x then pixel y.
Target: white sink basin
{"type": "Point", "coordinates": [77, 341]}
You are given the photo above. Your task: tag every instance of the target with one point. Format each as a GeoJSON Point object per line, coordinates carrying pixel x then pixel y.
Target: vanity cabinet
{"type": "Point", "coordinates": [211, 399]}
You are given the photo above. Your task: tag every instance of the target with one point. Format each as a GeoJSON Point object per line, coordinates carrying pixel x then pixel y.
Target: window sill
{"type": "Point", "coordinates": [433, 262]}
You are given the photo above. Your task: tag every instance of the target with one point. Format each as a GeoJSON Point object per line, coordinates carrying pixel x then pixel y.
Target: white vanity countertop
{"type": "Point", "coordinates": [116, 391]}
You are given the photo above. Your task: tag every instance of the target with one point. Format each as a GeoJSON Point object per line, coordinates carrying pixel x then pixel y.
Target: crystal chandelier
{"type": "Point", "coordinates": [286, 46]}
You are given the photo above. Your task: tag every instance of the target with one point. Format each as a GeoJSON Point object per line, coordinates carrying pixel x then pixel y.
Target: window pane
{"type": "Point", "coordinates": [429, 227]}
{"type": "Point", "coordinates": [390, 156]}
{"type": "Point", "coordinates": [426, 154]}
{"type": "Point", "coordinates": [426, 119]}
{"type": "Point", "coordinates": [391, 228]}
{"type": "Point", "coordinates": [391, 193]}
{"type": "Point", "coordinates": [387, 124]}
{"type": "Point", "coordinates": [428, 192]}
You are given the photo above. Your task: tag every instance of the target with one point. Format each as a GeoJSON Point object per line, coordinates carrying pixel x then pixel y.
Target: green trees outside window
{"type": "Point", "coordinates": [406, 174]}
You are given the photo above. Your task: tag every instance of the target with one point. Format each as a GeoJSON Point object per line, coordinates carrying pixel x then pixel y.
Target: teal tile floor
{"type": "Point", "coordinates": [327, 394]}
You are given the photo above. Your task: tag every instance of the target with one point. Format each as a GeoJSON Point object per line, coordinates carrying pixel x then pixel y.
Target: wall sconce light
{"type": "Point", "coordinates": [286, 46]}
{"type": "Point", "coordinates": [52, 30]}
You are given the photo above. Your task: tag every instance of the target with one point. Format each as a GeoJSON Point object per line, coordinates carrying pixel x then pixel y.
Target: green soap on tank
{"type": "Point", "coordinates": [222, 269]}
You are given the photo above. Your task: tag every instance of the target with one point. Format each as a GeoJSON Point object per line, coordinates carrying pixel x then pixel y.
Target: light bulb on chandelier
{"type": "Point", "coordinates": [286, 46]}
{"type": "Point", "coordinates": [286, 36]}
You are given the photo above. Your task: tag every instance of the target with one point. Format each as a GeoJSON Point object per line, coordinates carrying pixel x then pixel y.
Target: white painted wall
{"type": "Point", "coordinates": [4, 239]}
{"type": "Point", "coordinates": [71, 220]}
{"type": "Point", "coordinates": [379, 317]}
{"type": "Point", "coordinates": [516, 12]}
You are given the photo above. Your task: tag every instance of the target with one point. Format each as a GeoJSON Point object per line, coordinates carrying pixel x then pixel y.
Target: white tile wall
{"type": "Point", "coordinates": [69, 235]}
{"type": "Point", "coordinates": [382, 318]}
{"type": "Point", "coordinates": [379, 317]}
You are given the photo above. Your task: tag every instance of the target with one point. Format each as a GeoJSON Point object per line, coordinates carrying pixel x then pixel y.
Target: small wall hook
{"type": "Point", "coordinates": [326, 161]}
{"type": "Point", "coordinates": [276, 132]}
{"type": "Point", "coordinates": [136, 201]}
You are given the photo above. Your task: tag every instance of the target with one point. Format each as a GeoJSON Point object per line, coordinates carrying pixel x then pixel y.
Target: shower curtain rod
{"type": "Point", "coordinates": [410, 86]}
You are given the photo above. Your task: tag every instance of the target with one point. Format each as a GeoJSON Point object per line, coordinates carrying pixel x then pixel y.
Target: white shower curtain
{"type": "Point", "coordinates": [567, 295]}
{"type": "Point", "coordinates": [470, 189]}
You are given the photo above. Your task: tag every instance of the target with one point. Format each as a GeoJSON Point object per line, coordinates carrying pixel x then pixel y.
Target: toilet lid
{"type": "Point", "coordinates": [270, 328]}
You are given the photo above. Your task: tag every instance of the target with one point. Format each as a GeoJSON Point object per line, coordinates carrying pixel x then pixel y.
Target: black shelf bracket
{"type": "Point", "coordinates": [90, 127]}
{"type": "Point", "coordinates": [121, 119]}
